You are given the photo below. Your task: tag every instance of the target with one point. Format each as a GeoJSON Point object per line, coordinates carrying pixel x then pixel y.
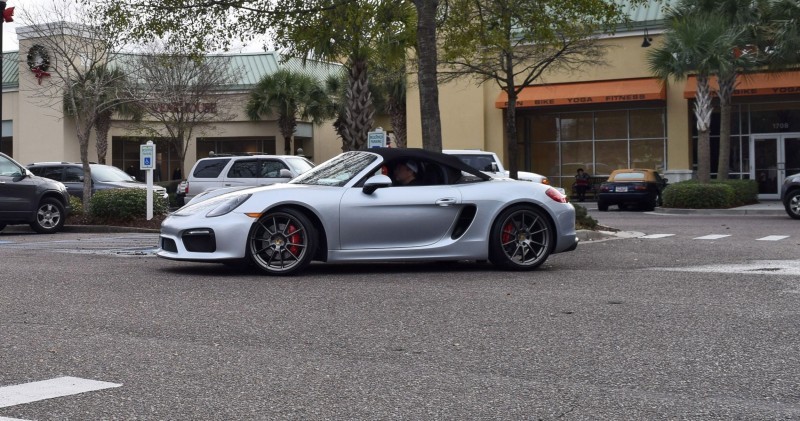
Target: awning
{"type": "Point", "coordinates": [625, 90]}
{"type": "Point", "coordinates": [778, 83]}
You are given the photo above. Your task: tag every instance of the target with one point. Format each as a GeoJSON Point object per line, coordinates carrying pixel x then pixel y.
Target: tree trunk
{"type": "Point", "coordinates": [397, 112]}
{"type": "Point", "coordinates": [360, 112]}
{"type": "Point", "coordinates": [102, 126]}
{"type": "Point", "coordinates": [511, 116]}
{"type": "Point", "coordinates": [702, 111]}
{"type": "Point", "coordinates": [726, 87]}
{"type": "Point", "coordinates": [428, 85]}
{"type": "Point", "coordinates": [287, 125]}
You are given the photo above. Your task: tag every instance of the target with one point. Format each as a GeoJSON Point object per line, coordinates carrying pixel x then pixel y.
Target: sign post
{"type": "Point", "coordinates": [376, 138]}
{"type": "Point", "coordinates": [147, 162]}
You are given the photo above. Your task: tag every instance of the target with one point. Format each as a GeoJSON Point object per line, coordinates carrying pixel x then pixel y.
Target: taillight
{"type": "Point", "coordinates": [640, 186]}
{"type": "Point", "coordinates": [556, 195]}
{"type": "Point", "coordinates": [186, 189]}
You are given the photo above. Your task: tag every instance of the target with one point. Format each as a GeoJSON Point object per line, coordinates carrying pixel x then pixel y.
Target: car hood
{"type": "Point", "coordinates": [129, 184]}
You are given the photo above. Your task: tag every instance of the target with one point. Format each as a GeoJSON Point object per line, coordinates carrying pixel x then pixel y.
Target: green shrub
{"type": "Point", "coordinates": [77, 206]}
{"type": "Point", "coordinates": [582, 218]}
{"type": "Point", "coordinates": [124, 204]}
{"type": "Point", "coordinates": [693, 195]}
{"type": "Point", "coordinates": [745, 192]}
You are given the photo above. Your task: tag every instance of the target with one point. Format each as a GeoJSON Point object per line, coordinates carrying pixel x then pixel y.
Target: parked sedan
{"type": "Point", "coordinates": [790, 195]}
{"type": "Point", "coordinates": [103, 177]}
{"type": "Point", "coordinates": [632, 187]}
{"type": "Point", "coordinates": [350, 209]}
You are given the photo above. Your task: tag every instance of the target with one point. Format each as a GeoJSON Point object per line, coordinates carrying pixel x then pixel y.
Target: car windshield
{"type": "Point", "coordinates": [337, 171]}
{"type": "Point", "coordinates": [106, 173]}
{"type": "Point", "coordinates": [299, 165]}
{"type": "Point", "coordinates": [629, 176]}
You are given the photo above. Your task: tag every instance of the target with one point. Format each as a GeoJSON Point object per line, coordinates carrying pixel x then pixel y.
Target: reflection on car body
{"type": "Point", "coordinates": [349, 210]}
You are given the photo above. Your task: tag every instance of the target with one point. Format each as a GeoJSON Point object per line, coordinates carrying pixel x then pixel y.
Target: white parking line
{"type": "Point", "coordinates": [657, 235]}
{"type": "Point", "coordinates": [47, 389]}
{"type": "Point", "coordinates": [773, 238]}
{"type": "Point", "coordinates": [711, 237]}
{"type": "Point", "coordinates": [11, 419]}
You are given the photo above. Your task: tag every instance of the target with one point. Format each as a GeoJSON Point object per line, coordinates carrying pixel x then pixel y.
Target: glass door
{"type": "Point", "coordinates": [774, 157]}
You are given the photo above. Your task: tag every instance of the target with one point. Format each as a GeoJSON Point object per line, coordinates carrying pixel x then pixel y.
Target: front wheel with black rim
{"type": "Point", "coordinates": [792, 204]}
{"type": "Point", "coordinates": [282, 242]}
{"type": "Point", "coordinates": [49, 217]}
{"type": "Point", "coordinates": [521, 239]}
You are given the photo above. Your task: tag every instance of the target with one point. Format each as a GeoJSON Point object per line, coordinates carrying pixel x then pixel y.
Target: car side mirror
{"type": "Point", "coordinates": [285, 173]}
{"type": "Point", "coordinates": [376, 182]}
{"type": "Point", "coordinates": [494, 166]}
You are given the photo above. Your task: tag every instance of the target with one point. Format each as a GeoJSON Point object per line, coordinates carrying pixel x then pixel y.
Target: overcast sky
{"type": "Point", "coordinates": [10, 29]}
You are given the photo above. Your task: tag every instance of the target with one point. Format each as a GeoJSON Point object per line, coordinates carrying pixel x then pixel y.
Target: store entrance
{"type": "Point", "coordinates": [774, 157]}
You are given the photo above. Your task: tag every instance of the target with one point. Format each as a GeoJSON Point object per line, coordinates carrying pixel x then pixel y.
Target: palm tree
{"type": "Point", "coordinates": [290, 96]}
{"type": "Point", "coordinates": [699, 43]}
{"type": "Point", "coordinates": [746, 19]}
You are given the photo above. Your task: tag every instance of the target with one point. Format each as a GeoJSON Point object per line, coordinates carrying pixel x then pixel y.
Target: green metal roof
{"type": "Point", "coordinates": [10, 69]}
{"type": "Point", "coordinates": [253, 66]}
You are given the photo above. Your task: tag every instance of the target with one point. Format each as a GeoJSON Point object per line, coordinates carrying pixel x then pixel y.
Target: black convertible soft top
{"type": "Point", "coordinates": [400, 154]}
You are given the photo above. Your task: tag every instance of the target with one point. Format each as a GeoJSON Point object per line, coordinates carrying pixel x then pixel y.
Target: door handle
{"type": "Point", "coordinates": [447, 201]}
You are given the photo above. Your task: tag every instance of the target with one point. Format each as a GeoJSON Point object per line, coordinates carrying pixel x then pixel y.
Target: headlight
{"type": "Point", "coordinates": [215, 207]}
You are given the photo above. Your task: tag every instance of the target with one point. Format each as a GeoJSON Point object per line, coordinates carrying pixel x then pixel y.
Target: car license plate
{"type": "Point", "coordinates": [621, 189]}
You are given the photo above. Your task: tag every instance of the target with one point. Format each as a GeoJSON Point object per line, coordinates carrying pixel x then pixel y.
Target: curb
{"type": "Point", "coordinates": [732, 211]}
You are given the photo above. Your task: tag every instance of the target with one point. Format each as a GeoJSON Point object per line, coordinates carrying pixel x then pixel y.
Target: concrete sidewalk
{"type": "Point", "coordinates": [765, 207]}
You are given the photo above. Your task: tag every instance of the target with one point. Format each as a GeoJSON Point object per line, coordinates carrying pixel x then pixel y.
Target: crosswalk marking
{"type": "Point", "coordinates": [711, 237]}
{"type": "Point", "coordinates": [657, 235]}
{"type": "Point", "coordinates": [773, 238]}
{"type": "Point", "coordinates": [47, 389]}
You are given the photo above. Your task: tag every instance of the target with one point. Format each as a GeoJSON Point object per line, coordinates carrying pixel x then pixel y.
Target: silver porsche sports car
{"type": "Point", "coordinates": [356, 208]}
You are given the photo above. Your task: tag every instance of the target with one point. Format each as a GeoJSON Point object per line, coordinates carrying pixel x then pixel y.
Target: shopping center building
{"type": "Point", "coordinates": [600, 118]}
{"type": "Point", "coordinates": [620, 116]}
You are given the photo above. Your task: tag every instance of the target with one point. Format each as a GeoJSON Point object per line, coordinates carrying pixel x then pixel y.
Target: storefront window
{"type": "Point", "coordinates": [545, 128]}
{"type": "Point", "coordinates": [611, 125]}
{"type": "Point", "coordinates": [775, 118]}
{"type": "Point", "coordinates": [576, 126]}
{"type": "Point", "coordinates": [648, 154]}
{"type": "Point", "coordinates": [545, 159]}
{"type": "Point", "coordinates": [609, 156]}
{"type": "Point", "coordinates": [576, 155]}
{"type": "Point", "coordinates": [599, 142]}
{"type": "Point", "coordinates": [647, 123]}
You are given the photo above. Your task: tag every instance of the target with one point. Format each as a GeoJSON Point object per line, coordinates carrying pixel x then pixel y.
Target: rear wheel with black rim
{"type": "Point", "coordinates": [522, 238]}
{"type": "Point", "coordinates": [282, 242]}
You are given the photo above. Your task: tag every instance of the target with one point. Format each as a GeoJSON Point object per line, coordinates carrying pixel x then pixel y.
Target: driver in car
{"type": "Point", "coordinates": [405, 173]}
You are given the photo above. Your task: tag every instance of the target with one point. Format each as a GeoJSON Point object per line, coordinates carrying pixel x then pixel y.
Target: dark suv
{"type": "Point", "coordinates": [103, 177]}
{"type": "Point", "coordinates": [27, 199]}
{"type": "Point", "coordinates": [790, 195]}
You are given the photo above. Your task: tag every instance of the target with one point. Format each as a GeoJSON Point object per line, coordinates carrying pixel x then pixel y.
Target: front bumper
{"type": "Point", "coordinates": [197, 238]}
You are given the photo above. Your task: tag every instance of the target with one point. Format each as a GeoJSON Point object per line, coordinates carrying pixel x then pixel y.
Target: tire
{"type": "Point", "coordinates": [602, 206]}
{"type": "Point", "coordinates": [282, 242]}
{"type": "Point", "coordinates": [653, 203]}
{"type": "Point", "coordinates": [792, 204]}
{"type": "Point", "coordinates": [49, 217]}
{"type": "Point", "coordinates": [522, 238]}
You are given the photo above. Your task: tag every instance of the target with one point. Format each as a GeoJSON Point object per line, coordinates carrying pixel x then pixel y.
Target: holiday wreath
{"type": "Point", "coordinates": [38, 59]}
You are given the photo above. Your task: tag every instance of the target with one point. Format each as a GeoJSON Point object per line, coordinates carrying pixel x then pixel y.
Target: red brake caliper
{"type": "Point", "coordinates": [294, 239]}
{"type": "Point", "coordinates": [507, 230]}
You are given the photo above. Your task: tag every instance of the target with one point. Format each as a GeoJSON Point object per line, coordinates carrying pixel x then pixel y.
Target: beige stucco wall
{"type": "Point", "coordinates": [471, 120]}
